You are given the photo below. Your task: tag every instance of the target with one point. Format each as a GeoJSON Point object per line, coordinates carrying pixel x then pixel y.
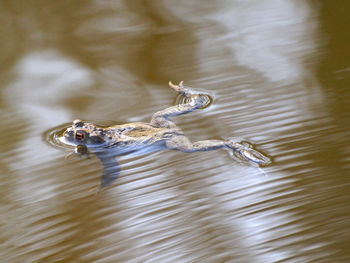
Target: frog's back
{"type": "Point", "coordinates": [141, 133]}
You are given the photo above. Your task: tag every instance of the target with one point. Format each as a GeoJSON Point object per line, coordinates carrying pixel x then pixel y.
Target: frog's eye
{"type": "Point", "coordinates": [80, 135]}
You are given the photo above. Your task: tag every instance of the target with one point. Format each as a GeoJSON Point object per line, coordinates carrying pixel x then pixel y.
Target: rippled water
{"type": "Point", "coordinates": [279, 74]}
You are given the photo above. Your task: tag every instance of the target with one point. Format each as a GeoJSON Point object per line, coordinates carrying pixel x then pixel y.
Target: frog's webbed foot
{"type": "Point", "coordinates": [186, 92]}
{"type": "Point", "coordinates": [245, 152]}
{"type": "Point", "coordinates": [111, 168]}
{"type": "Point", "coordinates": [197, 99]}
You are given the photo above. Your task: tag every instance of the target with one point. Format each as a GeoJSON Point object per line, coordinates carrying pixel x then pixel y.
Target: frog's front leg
{"type": "Point", "coordinates": [80, 150]}
{"type": "Point", "coordinates": [111, 168]}
{"type": "Point", "coordinates": [196, 101]}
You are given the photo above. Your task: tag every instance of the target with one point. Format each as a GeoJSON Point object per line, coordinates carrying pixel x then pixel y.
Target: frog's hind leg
{"type": "Point", "coordinates": [162, 118]}
{"type": "Point", "coordinates": [185, 145]}
{"type": "Point", "coordinates": [243, 152]}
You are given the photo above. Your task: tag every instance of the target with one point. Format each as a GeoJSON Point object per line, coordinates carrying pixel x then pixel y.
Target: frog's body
{"type": "Point", "coordinates": [125, 138]}
{"type": "Point", "coordinates": [160, 133]}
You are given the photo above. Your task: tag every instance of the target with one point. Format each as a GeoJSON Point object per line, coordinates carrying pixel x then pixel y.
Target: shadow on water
{"type": "Point", "coordinates": [279, 74]}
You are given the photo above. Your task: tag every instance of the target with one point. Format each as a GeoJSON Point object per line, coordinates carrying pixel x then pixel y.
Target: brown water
{"type": "Point", "coordinates": [279, 72]}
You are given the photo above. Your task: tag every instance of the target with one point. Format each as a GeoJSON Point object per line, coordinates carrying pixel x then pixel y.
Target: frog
{"type": "Point", "coordinates": [161, 133]}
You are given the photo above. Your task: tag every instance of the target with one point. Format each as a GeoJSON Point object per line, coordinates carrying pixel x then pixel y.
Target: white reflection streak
{"type": "Point", "coordinates": [271, 37]}
{"type": "Point", "coordinates": [43, 79]}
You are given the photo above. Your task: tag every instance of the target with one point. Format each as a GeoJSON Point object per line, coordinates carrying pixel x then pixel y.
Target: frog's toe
{"type": "Point", "coordinates": [253, 156]}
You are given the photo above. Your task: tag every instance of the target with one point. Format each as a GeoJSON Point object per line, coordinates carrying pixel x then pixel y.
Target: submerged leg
{"type": "Point", "coordinates": [242, 151]}
{"type": "Point", "coordinates": [196, 101]}
{"type": "Point", "coordinates": [111, 168]}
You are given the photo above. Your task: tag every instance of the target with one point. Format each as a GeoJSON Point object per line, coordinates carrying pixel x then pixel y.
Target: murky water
{"type": "Point", "coordinates": [279, 73]}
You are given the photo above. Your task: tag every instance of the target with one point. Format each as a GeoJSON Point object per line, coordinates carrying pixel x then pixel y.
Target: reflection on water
{"type": "Point", "coordinates": [276, 82]}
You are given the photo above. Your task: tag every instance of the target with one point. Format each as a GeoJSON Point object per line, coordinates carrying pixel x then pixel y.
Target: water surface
{"type": "Point", "coordinates": [279, 74]}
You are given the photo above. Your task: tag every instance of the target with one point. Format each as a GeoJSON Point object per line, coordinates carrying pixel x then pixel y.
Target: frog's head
{"type": "Point", "coordinates": [84, 133]}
